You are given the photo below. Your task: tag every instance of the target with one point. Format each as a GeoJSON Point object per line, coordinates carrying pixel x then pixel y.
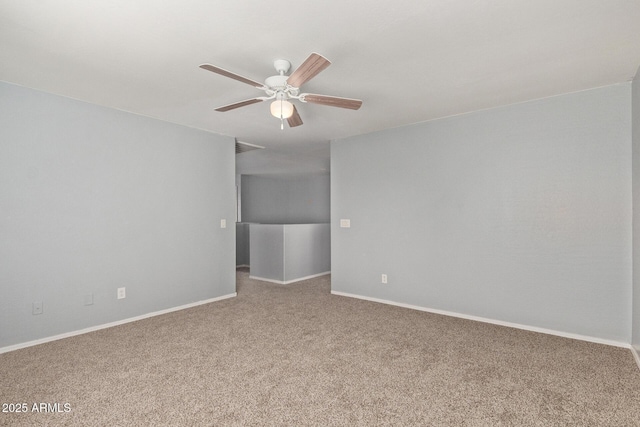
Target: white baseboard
{"type": "Point", "coordinates": [111, 324]}
{"type": "Point", "coordinates": [636, 354]}
{"type": "Point", "coordinates": [492, 321]}
{"type": "Point", "coordinates": [280, 282]}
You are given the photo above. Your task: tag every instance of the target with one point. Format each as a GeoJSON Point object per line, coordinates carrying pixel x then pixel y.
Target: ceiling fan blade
{"type": "Point", "coordinates": [308, 70]}
{"type": "Point", "coordinates": [295, 119]}
{"type": "Point", "coordinates": [231, 75]}
{"type": "Point", "coordinates": [239, 104]}
{"type": "Point", "coordinates": [332, 101]}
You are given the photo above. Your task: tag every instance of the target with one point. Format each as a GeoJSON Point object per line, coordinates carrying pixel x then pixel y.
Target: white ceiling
{"type": "Point", "coordinates": [409, 61]}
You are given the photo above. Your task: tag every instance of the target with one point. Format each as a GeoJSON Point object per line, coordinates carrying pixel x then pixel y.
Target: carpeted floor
{"type": "Point", "coordinates": [297, 355]}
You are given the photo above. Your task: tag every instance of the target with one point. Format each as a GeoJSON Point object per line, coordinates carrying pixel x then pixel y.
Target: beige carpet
{"type": "Point", "coordinates": [296, 355]}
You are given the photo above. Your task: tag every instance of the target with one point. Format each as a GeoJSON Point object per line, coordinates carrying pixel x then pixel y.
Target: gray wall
{"type": "Point", "coordinates": [286, 199]}
{"type": "Point", "coordinates": [519, 214]}
{"type": "Point", "coordinates": [286, 253]}
{"type": "Point", "coordinates": [92, 199]}
{"type": "Point", "coordinates": [636, 209]}
{"type": "Point", "coordinates": [267, 251]}
{"type": "Point", "coordinates": [242, 244]}
{"type": "Point", "coordinates": [307, 250]}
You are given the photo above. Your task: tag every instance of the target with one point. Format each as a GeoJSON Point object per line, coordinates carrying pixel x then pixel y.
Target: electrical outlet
{"type": "Point", "coordinates": [345, 223]}
{"type": "Point", "coordinates": [384, 278]}
{"type": "Point", "coordinates": [122, 293]}
{"type": "Point", "coordinates": [37, 308]}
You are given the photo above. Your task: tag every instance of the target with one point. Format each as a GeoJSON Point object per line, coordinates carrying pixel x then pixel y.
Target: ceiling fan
{"type": "Point", "coordinates": [282, 88]}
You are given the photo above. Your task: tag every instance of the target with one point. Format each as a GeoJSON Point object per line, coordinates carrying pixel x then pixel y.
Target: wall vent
{"type": "Point", "coordinates": [243, 147]}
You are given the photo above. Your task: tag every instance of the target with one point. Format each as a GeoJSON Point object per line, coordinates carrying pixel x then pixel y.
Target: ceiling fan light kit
{"type": "Point", "coordinates": [281, 109]}
{"type": "Point", "coordinates": [282, 88]}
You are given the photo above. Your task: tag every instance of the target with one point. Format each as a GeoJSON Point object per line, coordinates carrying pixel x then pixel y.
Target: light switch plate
{"type": "Point", "coordinates": [223, 223]}
{"type": "Point", "coordinates": [88, 299]}
{"type": "Point", "coordinates": [37, 308]}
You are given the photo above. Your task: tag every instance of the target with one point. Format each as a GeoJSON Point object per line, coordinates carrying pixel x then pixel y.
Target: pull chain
{"type": "Point", "coordinates": [281, 118]}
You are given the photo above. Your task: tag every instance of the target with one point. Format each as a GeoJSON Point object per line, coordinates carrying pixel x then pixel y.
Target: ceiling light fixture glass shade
{"type": "Point", "coordinates": [281, 109]}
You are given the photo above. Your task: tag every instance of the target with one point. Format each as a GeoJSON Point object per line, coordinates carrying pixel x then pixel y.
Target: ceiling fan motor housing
{"type": "Point", "coordinates": [276, 82]}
